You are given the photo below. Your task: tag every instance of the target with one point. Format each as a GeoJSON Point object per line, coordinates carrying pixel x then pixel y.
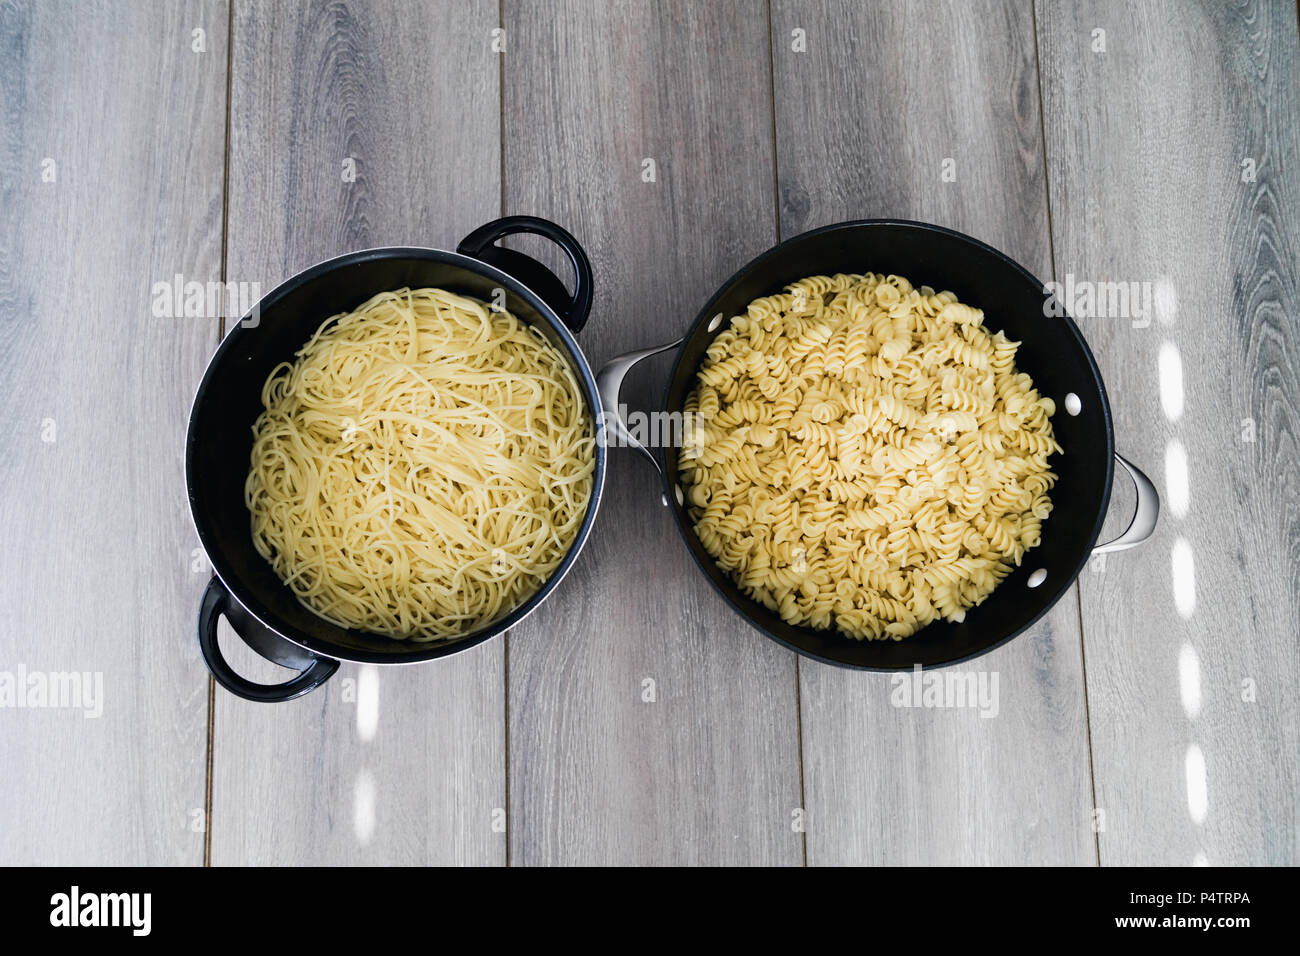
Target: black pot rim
{"type": "Point", "coordinates": [707, 312]}
{"type": "Point", "coordinates": [432, 649]}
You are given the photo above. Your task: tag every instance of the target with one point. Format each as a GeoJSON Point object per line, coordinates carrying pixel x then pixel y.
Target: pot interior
{"type": "Point", "coordinates": [1052, 352]}
{"type": "Point", "coordinates": [228, 401]}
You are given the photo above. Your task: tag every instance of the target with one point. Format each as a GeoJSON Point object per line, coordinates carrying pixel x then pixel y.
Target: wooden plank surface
{"type": "Point", "coordinates": [1174, 162]}
{"type": "Point", "coordinates": [1170, 158]}
{"type": "Point", "coordinates": [708, 772]}
{"type": "Point", "coordinates": [111, 148]}
{"type": "Point", "coordinates": [868, 113]}
{"type": "Point", "coordinates": [397, 765]}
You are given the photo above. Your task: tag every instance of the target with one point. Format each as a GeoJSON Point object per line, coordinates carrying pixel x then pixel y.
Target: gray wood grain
{"type": "Point", "coordinates": [547, 729]}
{"type": "Point", "coordinates": [865, 119]}
{"type": "Point", "coordinates": [708, 772]}
{"type": "Point", "coordinates": [98, 578]}
{"type": "Point", "coordinates": [1146, 144]}
{"type": "Point", "coordinates": [410, 92]}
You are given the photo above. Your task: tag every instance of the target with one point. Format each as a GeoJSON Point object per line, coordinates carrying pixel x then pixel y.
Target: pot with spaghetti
{"type": "Point", "coordinates": [419, 469]}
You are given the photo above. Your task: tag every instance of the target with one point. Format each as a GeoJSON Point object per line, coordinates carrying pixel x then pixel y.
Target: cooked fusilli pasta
{"type": "Point", "coordinates": [868, 457]}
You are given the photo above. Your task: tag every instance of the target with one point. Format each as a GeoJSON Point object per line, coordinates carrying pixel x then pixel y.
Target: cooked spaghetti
{"type": "Point", "coordinates": [422, 467]}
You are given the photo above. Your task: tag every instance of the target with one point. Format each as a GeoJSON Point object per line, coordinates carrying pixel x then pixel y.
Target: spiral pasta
{"type": "Point", "coordinates": [868, 457]}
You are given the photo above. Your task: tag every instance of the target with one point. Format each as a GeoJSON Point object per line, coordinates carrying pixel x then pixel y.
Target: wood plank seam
{"type": "Point", "coordinates": [221, 333]}
{"type": "Point", "coordinates": [1074, 588]}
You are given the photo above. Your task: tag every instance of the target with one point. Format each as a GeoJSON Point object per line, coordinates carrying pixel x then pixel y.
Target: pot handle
{"type": "Point", "coordinates": [313, 670]}
{"type": "Point", "coordinates": [609, 383]}
{"type": "Point", "coordinates": [479, 244]}
{"type": "Point", "coordinates": [1145, 514]}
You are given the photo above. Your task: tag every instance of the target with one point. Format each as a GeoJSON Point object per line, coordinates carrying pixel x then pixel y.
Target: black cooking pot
{"type": "Point", "coordinates": [263, 611]}
{"type": "Point", "coordinates": [1052, 352]}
